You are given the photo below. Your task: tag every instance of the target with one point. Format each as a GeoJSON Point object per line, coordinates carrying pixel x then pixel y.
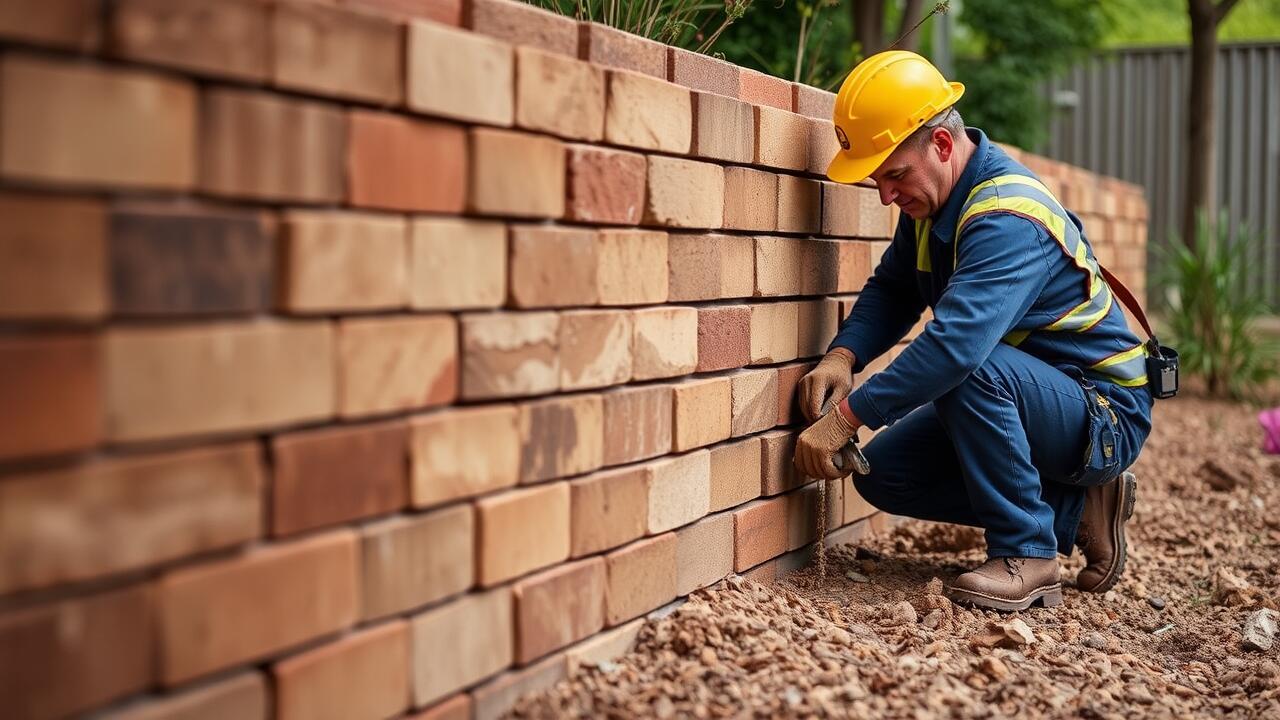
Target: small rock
{"type": "Point", "coordinates": [1229, 588]}
{"type": "Point", "coordinates": [709, 657]}
{"type": "Point", "coordinates": [1018, 632]}
{"type": "Point", "coordinates": [1109, 596]}
{"type": "Point", "coordinates": [1260, 629]}
{"type": "Point", "coordinates": [933, 619]}
{"type": "Point", "coordinates": [1155, 601]}
{"type": "Point", "coordinates": [994, 667]}
{"type": "Point", "coordinates": [1139, 694]}
{"type": "Point", "coordinates": [902, 613]}
{"type": "Point", "coordinates": [856, 576]}
{"type": "Point", "coordinates": [1219, 477]}
{"type": "Point", "coordinates": [792, 696]}
{"type": "Point", "coordinates": [1094, 640]}
{"type": "Point", "coordinates": [664, 708]}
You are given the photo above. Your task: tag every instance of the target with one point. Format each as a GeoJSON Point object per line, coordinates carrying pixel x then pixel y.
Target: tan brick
{"type": "Point", "coordinates": [684, 193]}
{"type": "Point", "coordinates": [724, 337]}
{"type": "Point", "coordinates": [457, 707]}
{"type": "Point", "coordinates": [510, 354]}
{"type": "Point", "coordinates": [605, 185]}
{"type": "Point", "coordinates": [172, 381]}
{"type": "Point", "coordinates": [679, 489]}
{"type": "Point", "coordinates": [212, 616]}
{"type": "Point", "coordinates": [755, 400]}
{"type": "Point", "coordinates": [760, 89]}
{"type": "Point", "coordinates": [637, 423]}
{"type": "Point", "coordinates": [665, 343]}
{"type": "Point", "coordinates": [516, 174]}
{"type": "Point", "coordinates": [52, 390]}
{"type": "Point", "coordinates": [648, 113]}
{"type": "Point", "coordinates": [778, 472]}
{"type": "Point", "coordinates": [835, 504]}
{"type": "Point", "coordinates": [750, 199]}
{"type": "Point", "coordinates": [337, 52]}
{"type": "Point", "coordinates": [223, 39]}
{"type": "Point", "coordinates": [779, 264]}
{"type": "Point", "coordinates": [877, 252]}
{"type": "Point", "coordinates": [852, 211]}
{"type": "Point", "coordinates": [387, 157]}
{"type": "Point", "coordinates": [560, 436]}
{"type": "Point", "coordinates": [461, 643]}
{"type": "Point", "coordinates": [553, 266]}
{"type": "Point", "coordinates": [409, 561]}
{"type": "Point", "coordinates": [788, 380]}
{"type": "Point", "coordinates": [854, 258]}
{"type": "Point", "coordinates": [735, 473]}
{"type": "Point", "coordinates": [773, 332]}
{"type": "Point", "coordinates": [704, 553]}
{"type": "Point", "coordinates": [765, 573]}
{"type": "Point", "coordinates": [855, 507]}
{"type": "Point", "coordinates": [459, 75]}
{"type": "Point", "coordinates": [559, 95]}
{"type": "Point", "coordinates": [341, 261]}
{"type": "Point", "coordinates": [263, 146]}
{"type": "Point", "coordinates": [603, 647]}
{"type": "Point", "coordinates": [492, 700]}
{"type": "Point", "coordinates": [607, 509]}
{"type": "Point", "coordinates": [812, 102]}
{"type": "Point", "coordinates": [759, 532]}
{"type": "Point", "coordinates": [66, 122]}
{"type": "Point", "coordinates": [823, 145]}
{"type": "Point", "coordinates": [723, 128]}
{"type": "Point", "coordinates": [702, 72]}
{"type": "Point", "coordinates": [365, 674]}
{"type": "Point", "coordinates": [641, 577]}
{"type": "Point", "coordinates": [60, 659]}
{"type": "Point", "coordinates": [633, 267]}
{"type": "Point", "coordinates": [595, 348]}
{"type": "Point", "coordinates": [455, 263]}
{"type": "Point", "coordinates": [802, 516]}
{"type": "Point", "coordinates": [782, 139]}
{"type": "Point", "coordinates": [522, 24]}
{"type": "Point", "coordinates": [613, 48]}
{"type": "Point", "coordinates": [463, 452]}
{"type": "Point", "coordinates": [816, 322]}
{"type": "Point", "coordinates": [520, 531]}
{"type": "Point", "coordinates": [799, 205]}
{"type": "Point", "coordinates": [710, 267]}
{"type": "Point", "coordinates": [239, 696]}
{"type": "Point", "coordinates": [70, 24]}
{"type": "Point", "coordinates": [558, 607]}
{"type": "Point", "coordinates": [52, 257]}
{"type": "Point", "coordinates": [702, 412]}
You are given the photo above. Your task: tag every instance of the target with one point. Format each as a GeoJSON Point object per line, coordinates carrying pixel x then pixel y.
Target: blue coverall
{"type": "Point", "coordinates": [991, 408]}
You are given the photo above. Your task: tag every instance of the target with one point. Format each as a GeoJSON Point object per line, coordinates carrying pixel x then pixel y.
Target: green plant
{"type": "Point", "coordinates": [684, 23]}
{"type": "Point", "coordinates": [1212, 310]}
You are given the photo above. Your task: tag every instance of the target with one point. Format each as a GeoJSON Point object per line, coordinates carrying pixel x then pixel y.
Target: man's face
{"type": "Point", "coordinates": [915, 177]}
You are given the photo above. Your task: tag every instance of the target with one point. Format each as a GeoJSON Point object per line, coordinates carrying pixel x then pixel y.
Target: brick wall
{"type": "Point", "coordinates": [354, 364]}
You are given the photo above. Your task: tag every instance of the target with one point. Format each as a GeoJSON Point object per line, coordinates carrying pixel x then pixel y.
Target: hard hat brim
{"type": "Point", "coordinates": [845, 168]}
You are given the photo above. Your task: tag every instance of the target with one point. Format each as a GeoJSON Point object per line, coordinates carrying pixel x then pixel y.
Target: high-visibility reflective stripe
{"type": "Point", "coordinates": [1088, 313]}
{"type": "Point", "coordinates": [923, 262]}
{"type": "Point", "coordinates": [1015, 337]}
{"type": "Point", "coordinates": [1127, 367]}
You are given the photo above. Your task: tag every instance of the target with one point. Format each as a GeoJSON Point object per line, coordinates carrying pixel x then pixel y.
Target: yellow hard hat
{"type": "Point", "coordinates": [884, 99]}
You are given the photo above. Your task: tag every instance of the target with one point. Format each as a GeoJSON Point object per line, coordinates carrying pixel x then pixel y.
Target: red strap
{"type": "Point", "coordinates": [1127, 298]}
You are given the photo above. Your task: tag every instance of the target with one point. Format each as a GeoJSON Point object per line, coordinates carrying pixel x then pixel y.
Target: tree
{"type": "Point", "coordinates": [1198, 185]}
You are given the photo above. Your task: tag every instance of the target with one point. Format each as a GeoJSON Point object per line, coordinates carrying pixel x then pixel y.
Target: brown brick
{"type": "Point", "coordinates": [802, 516]}
{"type": "Point", "coordinates": [855, 507]}
{"type": "Point", "coordinates": [520, 531]}
{"type": "Point", "coordinates": [755, 400]}
{"type": "Point", "coordinates": [702, 72]}
{"type": "Point", "coordinates": [553, 266]}
{"type": "Point", "coordinates": [816, 322]}
{"type": "Point", "coordinates": [336, 261]}
{"type": "Point", "coordinates": [759, 532]}
{"type": "Point", "coordinates": [777, 467]}
{"type": "Point", "coordinates": [69, 24]}
{"type": "Point", "coordinates": [765, 573]}
{"type": "Point", "coordinates": [758, 88]}
{"type": "Point", "coordinates": [387, 160]}
{"type": "Point", "coordinates": [605, 185]}
{"type": "Point", "coordinates": [333, 475]}
{"type": "Point", "coordinates": [723, 128]}
{"type": "Point", "coordinates": [409, 561]}
{"type": "Point", "coordinates": [510, 354]}
{"type": "Point", "coordinates": [812, 102]}
{"type": "Point", "coordinates": [448, 12]}
{"type": "Point", "coordinates": [239, 696]}
{"type": "Point", "coordinates": [607, 509]}
{"type": "Point", "coordinates": [704, 553]}
{"type": "Point", "coordinates": [457, 707]}
{"type": "Point", "coordinates": [779, 263]}
{"type": "Point", "coordinates": [788, 380]}
{"type": "Point", "coordinates": [665, 343]}
{"type": "Point", "coordinates": [684, 193]}
{"type": "Point", "coordinates": [710, 267]}
{"type": "Point", "coordinates": [702, 410]}
{"type": "Point", "coordinates": [799, 205]}
{"type": "Point", "coordinates": [735, 473]}
{"type": "Point", "coordinates": [679, 489]}
{"type": "Point", "coordinates": [773, 332]}
{"type": "Point", "coordinates": [724, 337]}
{"type": "Point", "coordinates": [66, 122]}
{"type": "Point", "coordinates": [337, 52]}
{"type": "Point", "coordinates": [610, 47]}
{"type": "Point", "coordinates": [476, 629]}
{"type": "Point", "coordinates": [560, 436]}
{"type": "Point", "coordinates": [212, 615]}
{"type": "Point", "coordinates": [53, 260]}
{"type": "Point", "coordinates": [522, 24]}
{"type": "Point", "coordinates": [823, 145]}
{"type": "Point", "coordinates": [365, 674]}
{"type": "Point", "coordinates": [172, 381]}
{"type": "Point", "coordinates": [559, 95]}
{"type": "Point", "coordinates": [460, 75]}
{"type": "Point", "coordinates": [516, 174]}
{"type": "Point", "coordinates": [492, 700]}
{"type": "Point", "coordinates": [821, 266]}
{"type": "Point", "coordinates": [854, 258]}
{"type": "Point", "coordinates": [52, 393]}
{"type": "Point", "coordinates": [222, 39]}
{"type": "Point", "coordinates": [603, 647]}
{"type": "Point", "coordinates": [852, 211]}
{"type": "Point", "coordinates": [463, 452]}
{"type": "Point", "coordinates": [63, 658]}
{"type": "Point", "coordinates": [782, 139]}
{"type": "Point", "coordinates": [750, 199]}
{"type": "Point", "coordinates": [558, 607]}
{"type": "Point", "coordinates": [386, 364]}
{"type": "Point", "coordinates": [646, 112]}
{"type": "Point", "coordinates": [264, 146]}
{"type": "Point", "coordinates": [595, 348]}
{"type": "Point", "coordinates": [641, 577]}
{"type": "Point", "coordinates": [632, 267]}
{"type": "Point", "coordinates": [637, 423]}
{"type": "Point", "coordinates": [456, 263]}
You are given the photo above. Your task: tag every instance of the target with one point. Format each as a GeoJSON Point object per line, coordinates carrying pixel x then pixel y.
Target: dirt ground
{"type": "Point", "coordinates": [875, 637]}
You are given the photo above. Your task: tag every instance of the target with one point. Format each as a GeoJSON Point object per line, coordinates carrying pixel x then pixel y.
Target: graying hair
{"type": "Point", "coordinates": [948, 120]}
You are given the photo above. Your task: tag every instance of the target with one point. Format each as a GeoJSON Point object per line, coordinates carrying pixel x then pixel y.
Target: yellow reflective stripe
{"type": "Point", "coordinates": [1015, 337]}
{"type": "Point", "coordinates": [1077, 319]}
{"type": "Point", "coordinates": [1014, 180]}
{"type": "Point", "coordinates": [1127, 367]}
{"type": "Point", "coordinates": [1033, 209]}
{"type": "Point", "coordinates": [1123, 356]}
{"type": "Point", "coordinates": [923, 262]}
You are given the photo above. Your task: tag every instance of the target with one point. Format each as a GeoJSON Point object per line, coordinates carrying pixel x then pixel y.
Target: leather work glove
{"type": "Point", "coordinates": [820, 442]}
{"type": "Point", "coordinates": [831, 380]}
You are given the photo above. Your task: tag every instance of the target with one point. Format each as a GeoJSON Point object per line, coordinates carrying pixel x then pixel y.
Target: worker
{"type": "Point", "coordinates": [1022, 401]}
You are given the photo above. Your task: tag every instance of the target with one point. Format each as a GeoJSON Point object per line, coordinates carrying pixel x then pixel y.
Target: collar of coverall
{"type": "Point", "coordinates": [944, 221]}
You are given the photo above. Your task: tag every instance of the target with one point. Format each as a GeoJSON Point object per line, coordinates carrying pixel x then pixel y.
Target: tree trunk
{"type": "Point", "coordinates": [1198, 181]}
{"type": "Point", "coordinates": [911, 14]}
{"type": "Point", "coordinates": [868, 25]}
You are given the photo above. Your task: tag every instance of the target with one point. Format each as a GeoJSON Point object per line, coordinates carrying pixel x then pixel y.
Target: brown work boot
{"type": "Point", "coordinates": [1009, 583]}
{"type": "Point", "coordinates": [1101, 535]}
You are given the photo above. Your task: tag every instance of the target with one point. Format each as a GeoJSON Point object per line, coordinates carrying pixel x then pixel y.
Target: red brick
{"type": "Point", "coordinates": [463, 452]}
{"type": "Point", "coordinates": [759, 532]}
{"type": "Point", "coordinates": [679, 489]}
{"type": "Point", "coordinates": [782, 139]}
{"type": "Point", "coordinates": [641, 577]}
{"type": "Point", "coordinates": [455, 263]}
{"type": "Point", "coordinates": [755, 400]}
{"type": "Point", "coordinates": [365, 674]}
{"type": "Point", "coordinates": [788, 380]}
{"type": "Point", "coordinates": [802, 516]}
{"type": "Point", "coordinates": [723, 128]}
{"type": "Point", "coordinates": [53, 260]}
{"type": "Point", "coordinates": [516, 174]}
{"type": "Point", "coordinates": [387, 364]}
{"type": "Point", "coordinates": [560, 436]}
{"type": "Point", "coordinates": [336, 261]}
{"type": "Point", "coordinates": [520, 531]}
{"type": "Point", "coordinates": [604, 647]}
{"type": "Point", "coordinates": [645, 112]}
{"type": "Point", "coordinates": [557, 607]}
{"type": "Point", "coordinates": [610, 47]}
{"type": "Point", "coordinates": [461, 643]}
{"type": "Point", "coordinates": [388, 159]}
{"type": "Point", "coordinates": [604, 185]}
{"type": "Point", "coordinates": [724, 337]}
{"type": "Point", "coordinates": [812, 102]}
{"type": "Point", "coordinates": [750, 199]}
{"type": "Point", "coordinates": [777, 467]}
{"type": "Point", "coordinates": [522, 24]}
{"type": "Point", "coordinates": [459, 75]}
{"type": "Point", "coordinates": [69, 24]}
{"type": "Point", "coordinates": [817, 322]}
{"type": "Point", "coordinates": [799, 205]}
{"type": "Point", "coordinates": [510, 354]}
{"type": "Point", "coordinates": [779, 263]}
{"type": "Point", "coordinates": [337, 52]}
{"type": "Point", "coordinates": [239, 696]}
{"type": "Point", "coordinates": [52, 393]}
{"type": "Point", "coordinates": [735, 473]}
{"type": "Point", "coordinates": [334, 475]}
{"type": "Point", "coordinates": [704, 553]}
{"type": "Point", "coordinates": [823, 145]}
{"type": "Point", "coordinates": [492, 700]}
{"type": "Point", "coordinates": [607, 509]}
{"type": "Point", "coordinates": [758, 88]}
{"type": "Point", "coordinates": [559, 95]}
{"type": "Point", "coordinates": [60, 659]}
{"type": "Point", "coordinates": [448, 12]}
{"type": "Point", "coordinates": [702, 72]}
{"type": "Point", "coordinates": [854, 260]}
{"type": "Point", "coordinates": [773, 332]}
{"type": "Point", "coordinates": [633, 267]}
{"type": "Point", "coordinates": [852, 211]}
{"type": "Point", "coordinates": [637, 423]}
{"type": "Point", "coordinates": [702, 410]}
{"type": "Point", "coordinates": [222, 39]}
{"type": "Point", "coordinates": [595, 348]}
{"type": "Point", "coordinates": [553, 266]}
{"type": "Point", "coordinates": [710, 267]}
{"type": "Point", "coordinates": [457, 707]}
{"type": "Point", "coordinates": [665, 342]}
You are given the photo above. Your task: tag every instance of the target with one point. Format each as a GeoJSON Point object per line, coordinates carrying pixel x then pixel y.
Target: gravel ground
{"type": "Point", "coordinates": [875, 636]}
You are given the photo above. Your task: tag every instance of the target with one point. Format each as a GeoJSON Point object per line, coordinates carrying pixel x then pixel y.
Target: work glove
{"type": "Point", "coordinates": [821, 442]}
{"type": "Point", "coordinates": [831, 380]}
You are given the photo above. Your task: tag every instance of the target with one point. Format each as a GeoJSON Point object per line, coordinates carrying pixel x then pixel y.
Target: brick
{"type": "Point", "coordinates": [457, 707]}
{"type": "Point", "coordinates": [522, 24]}
{"type": "Point", "coordinates": [559, 95]}
{"type": "Point", "coordinates": [365, 674]}
{"type": "Point", "coordinates": [788, 380]}
{"type": "Point", "coordinates": [510, 354]}
{"type": "Point", "coordinates": [755, 400]}
{"type": "Point", "coordinates": [855, 507]}
{"type": "Point", "coordinates": [463, 452]}
{"type": "Point", "coordinates": [604, 647]}
{"type": "Point", "coordinates": [778, 473]}
{"type": "Point", "coordinates": [607, 509]}
{"type": "Point", "coordinates": [735, 473]}
{"type": "Point", "coordinates": [758, 88]}
{"type": "Point", "coordinates": [51, 387]}
{"type": "Point", "coordinates": [648, 113]}
{"type": "Point", "coordinates": [637, 423]}
{"type": "Point", "coordinates": [821, 267]}
{"type": "Point", "coordinates": [852, 211]}
{"type": "Point", "coordinates": [812, 102]}
{"type": "Point", "coordinates": [679, 489]}
{"type": "Point", "coordinates": [782, 139]}
{"type": "Point", "coordinates": [704, 553]}
{"type": "Point", "coordinates": [609, 47]}
{"type": "Point", "coordinates": [817, 322]}
{"type": "Point", "coordinates": [723, 128]}
{"type": "Point", "coordinates": [221, 39]}
{"type": "Point", "coordinates": [595, 348]}
{"type": "Point", "coordinates": [799, 205]}
{"type": "Point", "coordinates": [877, 252]}
{"type": "Point", "coordinates": [448, 12]}
{"type": "Point", "coordinates": [560, 436]}
{"type": "Point", "coordinates": [702, 72]}
{"type": "Point", "coordinates": [803, 513]}
{"type": "Point", "coordinates": [759, 532]}
{"type": "Point", "coordinates": [521, 531]}
{"type": "Point", "coordinates": [388, 157]}
{"type": "Point", "coordinates": [823, 145]}
{"type": "Point", "coordinates": [604, 185]}
{"type": "Point", "coordinates": [68, 24]}
{"type": "Point", "coordinates": [702, 410]}
{"type": "Point", "coordinates": [633, 267]}
{"type": "Point", "coordinates": [850, 534]}
{"type": "Point", "coordinates": [59, 659]}
{"type": "Point", "coordinates": [854, 261]}
{"type": "Point", "coordinates": [835, 504]}
{"type": "Point", "coordinates": [165, 382]}
{"type": "Point", "coordinates": [516, 174]}
{"type": "Point", "coordinates": [456, 263]}
{"type": "Point", "coordinates": [765, 573]}
{"type": "Point", "coordinates": [492, 700]}
{"type": "Point", "coordinates": [684, 193]}
{"type": "Point", "coordinates": [387, 364]}
{"type": "Point", "coordinates": [641, 577]}
{"type": "Point", "coordinates": [459, 75]}
{"type": "Point", "coordinates": [267, 147]}
{"type": "Point", "coordinates": [750, 199]}
{"type": "Point", "coordinates": [337, 52]}
{"type": "Point", "coordinates": [211, 616]}
{"type": "Point", "coordinates": [665, 342]}
{"type": "Point", "coordinates": [553, 266]}
{"type": "Point", "coordinates": [779, 264]}
{"type": "Point", "coordinates": [461, 643]}
{"type": "Point", "coordinates": [334, 475]}
{"type": "Point", "coordinates": [773, 332]}
{"type": "Point", "coordinates": [66, 122]}
{"type": "Point", "coordinates": [239, 696]}
{"type": "Point", "coordinates": [558, 607]}
{"type": "Point", "coordinates": [724, 337]}
{"type": "Point", "coordinates": [340, 261]}
{"type": "Point", "coordinates": [53, 259]}
{"type": "Point", "coordinates": [710, 267]}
